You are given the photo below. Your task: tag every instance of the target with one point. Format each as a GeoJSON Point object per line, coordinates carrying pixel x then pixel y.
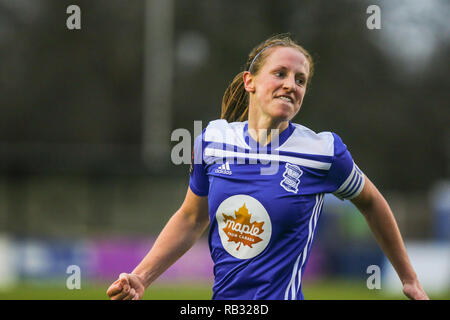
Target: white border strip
{"type": "Point", "coordinates": [314, 216]}
{"type": "Point", "coordinates": [210, 152]}
{"type": "Point", "coordinates": [305, 251]}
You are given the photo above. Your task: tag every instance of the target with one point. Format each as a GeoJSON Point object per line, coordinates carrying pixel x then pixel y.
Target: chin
{"type": "Point", "coordinates": [283, 114]}
{"type": "Point", "coordinates": [281, 117]}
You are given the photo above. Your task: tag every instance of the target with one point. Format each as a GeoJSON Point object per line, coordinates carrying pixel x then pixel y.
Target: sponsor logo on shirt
{"type": "Point", "coordinates": [244, 226]}
{"type": "Point", "coordinates": [291, 178]}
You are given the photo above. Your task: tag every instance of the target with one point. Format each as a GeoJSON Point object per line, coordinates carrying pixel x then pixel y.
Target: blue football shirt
{"type": "Point", "coordinates": [265, 203]}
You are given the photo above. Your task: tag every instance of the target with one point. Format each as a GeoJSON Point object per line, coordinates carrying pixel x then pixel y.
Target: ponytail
{"type": "Point", "coordinates": [235, 100]}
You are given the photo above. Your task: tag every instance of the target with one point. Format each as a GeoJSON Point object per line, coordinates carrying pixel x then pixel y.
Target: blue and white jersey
{"type": "Point", "coordinates": [265, 202]}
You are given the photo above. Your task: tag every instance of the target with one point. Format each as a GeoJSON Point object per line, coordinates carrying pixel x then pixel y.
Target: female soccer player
{"type": "Point", "coordinates": [258, 180]}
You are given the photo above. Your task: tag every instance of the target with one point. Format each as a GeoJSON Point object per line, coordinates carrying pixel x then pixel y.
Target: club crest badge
{"type": "Point", "coordinates": [291, 178]}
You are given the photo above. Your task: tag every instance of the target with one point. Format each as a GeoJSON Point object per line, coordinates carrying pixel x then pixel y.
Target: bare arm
{"type": "Point", "coordinates": [180, 233]}
{"type": "Point", "coordinates": [381, 221]}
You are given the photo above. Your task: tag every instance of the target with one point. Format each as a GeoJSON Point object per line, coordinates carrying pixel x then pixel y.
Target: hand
{"type": "Point", "coordinates": [414, 291]}
{"type": "Point", "coordinates": [129, 286]}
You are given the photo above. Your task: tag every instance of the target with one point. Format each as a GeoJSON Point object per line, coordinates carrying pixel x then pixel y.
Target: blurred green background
{"type": "Point", "coordinates": [86, 116]}
{"type": "Point", "coordinates": [325, 289]}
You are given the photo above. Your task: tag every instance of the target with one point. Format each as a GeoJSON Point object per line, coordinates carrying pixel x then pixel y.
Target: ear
{"type": "Point", "coordinates": [249, 82]}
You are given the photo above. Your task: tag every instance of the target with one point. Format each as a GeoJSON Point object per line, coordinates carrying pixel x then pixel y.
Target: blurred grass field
{"type": "Point", "coordinates": [317, 290]}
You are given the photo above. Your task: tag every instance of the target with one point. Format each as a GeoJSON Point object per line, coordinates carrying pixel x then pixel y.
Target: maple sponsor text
{"type": "Point", "coordinates": [241, 230]}
{"type": "Point", "coordinates": [236, 226]}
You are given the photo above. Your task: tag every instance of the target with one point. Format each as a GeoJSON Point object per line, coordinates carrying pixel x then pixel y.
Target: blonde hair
{"type": "Point", "coordinates": [236, 99]}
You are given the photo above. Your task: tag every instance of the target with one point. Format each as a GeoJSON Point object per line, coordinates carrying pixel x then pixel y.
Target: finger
{"type": "Point", "coordinates": [421, 295]}
{"type": "Point", "coordinates": [136, 297]}
{"type": "Point", "coordinates": [130, 295]}
{"type": "Point", "coordinates": [123, 278]}
{"type": "Point", "coordinates": [116, 297]}
{"type": "Point", "coordinates": [114, 289]}
{"type": "Point", "coordinates": [120, 296]}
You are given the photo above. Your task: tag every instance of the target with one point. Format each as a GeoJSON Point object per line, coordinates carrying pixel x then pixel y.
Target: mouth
{"type": "Point", "coordinates": [286, 98]}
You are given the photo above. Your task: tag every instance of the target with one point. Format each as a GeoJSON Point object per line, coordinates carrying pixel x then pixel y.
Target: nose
{"type": "Point", "coordinates": [289, 83]}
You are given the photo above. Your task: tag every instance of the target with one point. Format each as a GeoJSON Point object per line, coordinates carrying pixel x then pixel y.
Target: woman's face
{"type": "Point", "coordinates": [277, 90]}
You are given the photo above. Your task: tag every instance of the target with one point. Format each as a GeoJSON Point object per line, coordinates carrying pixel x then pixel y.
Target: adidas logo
{"type": "Point", "coordinates": [225, 169]}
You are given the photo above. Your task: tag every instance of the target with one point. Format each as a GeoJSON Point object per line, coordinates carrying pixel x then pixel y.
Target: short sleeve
{"type": "Point", "coordinates": [198, 180]}
{"type": "Point", "coordinates": [345, 179]}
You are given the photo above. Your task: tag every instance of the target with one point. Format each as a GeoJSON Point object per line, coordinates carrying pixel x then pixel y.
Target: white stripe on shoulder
{"type": "Point", "coordinates": [304, 140]}
{"type": "Point", "coordinates": [221, 131]}
{"type": "Point", "coordinates": [352, 186]}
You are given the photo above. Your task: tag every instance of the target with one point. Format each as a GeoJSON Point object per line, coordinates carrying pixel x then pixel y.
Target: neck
{"type": "Point", "coordinates": [264, 129]}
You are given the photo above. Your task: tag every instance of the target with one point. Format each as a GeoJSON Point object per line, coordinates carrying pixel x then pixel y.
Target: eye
{"type": "Point", "coordinates": [300, 81]}
{"type": "Point", "coordinates": [280, 74]}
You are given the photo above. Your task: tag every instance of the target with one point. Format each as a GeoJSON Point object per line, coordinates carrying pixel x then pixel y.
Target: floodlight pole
{"type": "Point", "coordinates": [157, 88]}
